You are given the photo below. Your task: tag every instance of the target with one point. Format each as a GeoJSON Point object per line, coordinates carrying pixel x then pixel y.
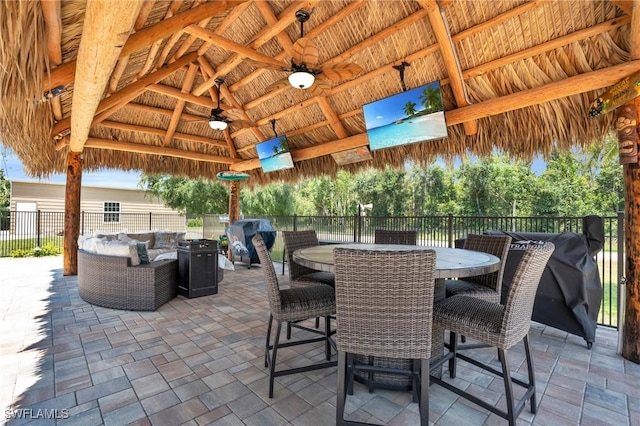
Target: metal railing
{"type": "Point", "coordinates": [27, 230]}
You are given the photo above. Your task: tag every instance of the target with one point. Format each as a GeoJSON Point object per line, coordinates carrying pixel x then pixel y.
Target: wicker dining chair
{"type": "Point", "coordinates": [501, 326]}
{"type": "Point", "coordinates": [294, 240]}
{"type": "Point", "coordinates": [384, 308]}
{"type": "Point", "coordinates": [489, 286]}
{"type": "Point", "coordinates": [383, 236]}
{"type": "Point", "coordinates": [293, 304]}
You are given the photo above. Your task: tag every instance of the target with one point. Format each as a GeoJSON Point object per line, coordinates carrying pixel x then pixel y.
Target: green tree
{"type": "Point", "coordinates": [410, 108]}
{"type": "Point", "coordinates": [5, 192]}
{"type": "Point", "coordinates": [276, 199]}
{"type": "Point", "coordinates": [433, 191]}
{"type": "Point", "coordinates": [431, 100]}
{"type": "Point", "coordinates": [190, 196]}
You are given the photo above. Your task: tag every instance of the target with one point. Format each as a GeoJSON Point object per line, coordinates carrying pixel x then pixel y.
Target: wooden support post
{"type": "Point", "coordinates": [234, 207]}
{"type": "Point", "coordinates": [72, 213]}
{"type": "Point", "coordinates": [631, 176]}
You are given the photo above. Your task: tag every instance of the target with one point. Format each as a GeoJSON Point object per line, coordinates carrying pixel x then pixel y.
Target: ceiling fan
{"type": "Point", "coordinates": [217, 118]}
{"type": "Point", "coordinates": [305, 73]}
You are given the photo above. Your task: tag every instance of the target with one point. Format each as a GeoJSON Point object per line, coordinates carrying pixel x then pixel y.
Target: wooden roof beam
{"type": "Point", "coordinates": [177, 111]}
{"type": "Point", "coordinates": [340, 15]}
{"type": "Point", "coordinates": [65, 73]}
{"type": "Point", "coordinates": [123, 61]}
{"type": "Point", "coordinates": [187, 97]}
{"type": "Point", "coordinates": [129, 93]}
{"type": "Point", "coordinates": [332, 118]}
{"type": "Point", "coordinates": [450, 58]}
{"type": "Point", "coordinates": [624, 5]}
{"type": "Point", "coordinates": [156, 150]}
{"type": "Point", "coordinates": [582, 83]}
{"type": "Point", "coordinates": [161, 133]}
{"type": "Point", "coordinates": [161, 111]}
{"type": "Point", "coordinates": [155, 47]}
{"type": "Point", "coordinates": [107, 26]}
{"type": "Point", "coordinates": [53, 33]}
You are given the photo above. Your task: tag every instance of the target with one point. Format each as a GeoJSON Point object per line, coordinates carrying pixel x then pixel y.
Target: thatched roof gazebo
{"type": "Point", "coordinates": [130, 84]}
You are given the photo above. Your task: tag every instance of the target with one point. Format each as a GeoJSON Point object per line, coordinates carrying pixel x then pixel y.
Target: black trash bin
{"type": "Point", "coordinates": [242, 231]}
{"type": "Point", "coordinates": [198, 273]}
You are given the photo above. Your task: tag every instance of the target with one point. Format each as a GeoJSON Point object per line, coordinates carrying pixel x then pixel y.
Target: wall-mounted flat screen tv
{"type": "Point", "coordinates": [274, 154]}
{"type": "Point", "coordinates": [416, 115]}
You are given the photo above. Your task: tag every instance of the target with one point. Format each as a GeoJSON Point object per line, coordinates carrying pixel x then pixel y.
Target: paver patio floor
{"type": "Point", "coordinates": [200, 361]}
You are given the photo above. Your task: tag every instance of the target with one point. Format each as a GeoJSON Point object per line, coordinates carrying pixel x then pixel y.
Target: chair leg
{"type": "Point", "coordinates": [350, 374]}
{"type": "Point", "coordinates": [415, 381]}
{"type": "Point", "coordinates": [327, 333]}
{"type": "Point", "coordinates": [453, 348]}
{"type": "Point", "coordinates": [317, 322]}
{"type": "Point", "coordinates": [370, 374]}
{"type": "Point", "coordinates": [266, 349]}
{"type": "Point", "coordinates": [508, 390]}
{"type": "Point", "coordinates": [424, 392]}
{"type": "Point", "coordinates": [272, 367]}
{"type": "Point", "coordinates": [532, 378]}
{"type": "Point", "coordinates": [342, 387]}
{"type": "Point", "coordinates": [288, 330]}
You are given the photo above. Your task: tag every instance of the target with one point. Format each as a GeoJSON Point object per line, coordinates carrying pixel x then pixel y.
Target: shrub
{"type": "Point", "coordinates": [46, 250]}
{"type": "Point", "coordinates": [196, 222]}
{"type": "Point", "coordinates": [20, 253]}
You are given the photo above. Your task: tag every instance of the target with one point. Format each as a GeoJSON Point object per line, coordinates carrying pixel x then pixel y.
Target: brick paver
{"type": "Point", "coordinates": [200, 361]}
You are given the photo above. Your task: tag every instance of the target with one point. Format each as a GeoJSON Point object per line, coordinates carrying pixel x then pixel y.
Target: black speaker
{"type": "Point", "coordinates": [197, 268]}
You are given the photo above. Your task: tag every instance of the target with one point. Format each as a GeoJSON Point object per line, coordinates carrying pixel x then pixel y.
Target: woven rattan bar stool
{"type": "Point", "coordinates": [384, 308]}
{"type": "Point", "coordinates": [294, 240]}
{"type": "Point", "coordinates": [382, 236]}
{"type": "Point", "coordinates": [501, 326]}
{"type": "Point", "coordinates": [293, 304]}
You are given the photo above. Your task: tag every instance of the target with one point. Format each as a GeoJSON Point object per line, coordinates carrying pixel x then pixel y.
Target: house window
{"type": "Point", "coordinates": [111, 212]}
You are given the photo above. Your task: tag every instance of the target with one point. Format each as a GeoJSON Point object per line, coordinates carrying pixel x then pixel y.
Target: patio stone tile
{"type": "Point", "coordinates": [124, 415]}
{"type": "Point", "coordinates": [159, 402]}
{"type": "Point", "coordinates": [73, 384]}
{"type": "Point", "coordinates": [220, 379]}
{"type": "Point", "coordinates": [179, 413]}
{"type": "Point", "coordinates": [323, 414]}
{"type": "Point", "coordinates": [106, 375]}
{"type": "Point", "coordinates": [605, 398]}
{"type": "Point", "coordinates": [119, 350]}
{"type": "Point", "coordinates": [291, 406]}
{"type": "Point", "coordinates": [138, 369]}
{"type": "Point", "coordinates": [382, 409]}
{"type": "Point", "coordinates": [149, 385]}
{"type": "Point", "coordinates": [561, 408]}
{"type": "Point", "coordinates": [117, 400]}
{"type": "Point", "coordinates": [192, 389]}
{"type": "Point", "coordinates": [247, 406]}
{"type": "Point", "coordinates": [103, 389]}
{"type": "Point", "coordinates": [460, 414]}
{"type": "Point", "coordinates": [174, 370]}
{"type": "Point", "coordinates": [596, 415]}
{"type": "Point", "coordinates": [315, 394]}
{"type": "Point", "coordinates": [224, 395]}
{"type": "Point", "coordinates": [228, 420]}
{"type": "Point", "coordinates": [213, 415]}
{"type": "Point", "coordinates": [110, 363]}
{"type": "Point", "coordinates": [92, 417]}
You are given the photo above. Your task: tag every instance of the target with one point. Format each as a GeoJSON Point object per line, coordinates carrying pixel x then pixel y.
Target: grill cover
{"type": "Point", "coordinates": [242, 231]}
{"type": "Point", "coordinates": [570, 291]}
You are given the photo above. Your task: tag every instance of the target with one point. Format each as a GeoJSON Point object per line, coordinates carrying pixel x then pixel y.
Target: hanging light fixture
{"type": "Point", "coordinates": [217, 124]}
{"type": "Point", "coordinates": [301, 79]}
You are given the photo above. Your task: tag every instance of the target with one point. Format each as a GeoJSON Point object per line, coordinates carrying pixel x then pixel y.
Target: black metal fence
{"type": "Point", "coordinates": [27, 230]}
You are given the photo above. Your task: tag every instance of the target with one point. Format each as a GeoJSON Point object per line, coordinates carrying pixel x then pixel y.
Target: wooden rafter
{"type": "Point", "coordinates": [332, 118]}
{"type": "Point", "coordinates": [161, 111]}
{"type": "Point", "coordinates": [177, 111]}
{"type": "Point", "coordinates": [107, 26]}
{"type": "Point", "coordinates": [161, 133]}
{"type": "Point", "coordinates": [558, 89]}
{"type": "Point", "coordinates": [450, 58]}
{"type": "Point", "coordinates": [123, 61]}
{"type": "Point", "coordinates": [625, 5]}
{"type": "Point", "coordinates": [187, 97]}
{"type": "Point", "coordinates": [65, 73]}
{"type": "Point", "coordinates": [127, 94]}
{"type": "Point", "coordinates": [155, 47]}
{"type": "Point", "coordinates": [53, 32]}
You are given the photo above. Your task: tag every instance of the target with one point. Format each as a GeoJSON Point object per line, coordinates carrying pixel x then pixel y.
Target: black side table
{"type": "Point", "coordinates": [197, 268]}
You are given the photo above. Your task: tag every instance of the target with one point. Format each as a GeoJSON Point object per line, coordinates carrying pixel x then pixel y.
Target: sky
{"type": "Point", "coordinates": [109, 178]}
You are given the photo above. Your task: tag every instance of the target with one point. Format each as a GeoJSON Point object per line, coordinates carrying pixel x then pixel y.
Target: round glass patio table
{"type": "Point", "coordinates": [450, 263]}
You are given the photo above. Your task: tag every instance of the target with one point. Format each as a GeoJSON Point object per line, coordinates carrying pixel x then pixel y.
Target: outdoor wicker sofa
{"type": "Point", "coordinates": [112, 282]}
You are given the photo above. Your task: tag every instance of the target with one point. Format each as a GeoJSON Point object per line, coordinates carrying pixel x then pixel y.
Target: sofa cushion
{"type": "Point", "coordinates": [167, 240]}
{"type": "Point", "coordinates": [143, 236]}
{"type": "Point", "coordinates": [119, 248]}
{"type": "Point", "coordinates": [153, 253]}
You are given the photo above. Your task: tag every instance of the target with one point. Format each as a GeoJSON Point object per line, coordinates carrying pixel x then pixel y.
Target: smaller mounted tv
{"type": "Point", "coordinates": [274, 154]}
{"type": "Point", "coordinates": [416, 115]}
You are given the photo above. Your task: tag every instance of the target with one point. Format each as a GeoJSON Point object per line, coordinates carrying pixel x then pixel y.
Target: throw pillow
{"type": "Point", "coordinates": [168, 239]}
{"type": "Point", "coordinates": [142, 252]}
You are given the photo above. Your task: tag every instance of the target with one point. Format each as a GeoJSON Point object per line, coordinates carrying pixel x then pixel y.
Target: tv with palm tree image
{"type": "Point", "coordinates": [274, 154]}
{"type": "Point", "coordinates": [416, 115]}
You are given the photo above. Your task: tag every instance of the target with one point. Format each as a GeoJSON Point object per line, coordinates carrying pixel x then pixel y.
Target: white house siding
{"type": "Point", "coordinates": [138, 210]}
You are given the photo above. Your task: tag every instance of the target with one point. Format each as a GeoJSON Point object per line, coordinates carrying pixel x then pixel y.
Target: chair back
{"type": "Point", "coordinates": [522, 293]}
{"type": "Point", "coordinates": [270, 277]}
{"type": "Point", "coordinates": [382, 236]}
{"type": "Point", "coordinates": [294, 240]}
{"type": "Point", "coordinates": [497, 245]}
{"type": "Point", "coordinates": [384, 302]}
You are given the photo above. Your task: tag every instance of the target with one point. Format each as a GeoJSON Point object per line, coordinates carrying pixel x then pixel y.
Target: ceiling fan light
{"type": "Point", "coordinates": [301, 79]}
{"type": "Point", "coordinates": [218, 124]}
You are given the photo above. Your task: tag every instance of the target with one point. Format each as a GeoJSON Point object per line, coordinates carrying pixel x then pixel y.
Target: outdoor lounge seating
{"type": "Point", "coordinates": [294, 240]}
{"type": "Point", "coordinates": [293, 304]}
{"type": "Point", "coordinates": [384, 304]}
{"type": "Point", "coordinates": [383, 236]}
{"type": "Point", "coordinates": [501, 326]}
{"type": "Point", "coordinates": [112, 282]}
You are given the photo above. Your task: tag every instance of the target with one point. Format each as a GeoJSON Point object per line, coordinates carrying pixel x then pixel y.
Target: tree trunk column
{"type": "Point", "coordinates": [631, 174]}
{"type": "Point", "coordinates": [72, 213]}
{"type": "Point", "coordinates": [234, 207]}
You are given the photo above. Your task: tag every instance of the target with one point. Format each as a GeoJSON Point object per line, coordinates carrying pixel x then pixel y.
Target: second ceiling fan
{"type": "Point", "coordinates": [218, 119]}
{"type": "Point", "coordinates": [305, 73]}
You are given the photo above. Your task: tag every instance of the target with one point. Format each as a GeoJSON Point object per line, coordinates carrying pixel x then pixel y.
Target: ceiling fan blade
{"type": "Point", "coordinates": [234, 113]}
{"type": "Point", "coordinates": [194, 111]}
{"type": "Point", "coordinates": [243, 124]}
{"type": "Point", "coordinates": [320, 87]}
{"type": "Point", "coordinates": [279, 85]}
{"type": "Point", "coordinates": [305, 51]}
{"type": "Point", "coordinates": [265, 65]}
{"type": "Point", "coordinates": [341, 71]}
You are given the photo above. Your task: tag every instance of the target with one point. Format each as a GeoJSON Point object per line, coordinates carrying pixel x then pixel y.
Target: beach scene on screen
{"type": "Point", "coordinates": [416, 115]}
{"type": "Point", "coordinates": [274, 154]}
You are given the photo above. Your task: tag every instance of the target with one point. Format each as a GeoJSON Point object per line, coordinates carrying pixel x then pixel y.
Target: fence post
{"type": "Point", "coordinates": [450, 229]}
{"type": "Point", "coordinates": [38, 218]}
{"type": "Point", "coordinates": [150, 218]}
{"type": "Point", "coordinates": [295, 222]}
{"type": "Point", "coordinates": [355, 228]}
{"type": "Point", "coordinates": [82, 222]}
{"type": "Point", "coordinates": [622, 289]}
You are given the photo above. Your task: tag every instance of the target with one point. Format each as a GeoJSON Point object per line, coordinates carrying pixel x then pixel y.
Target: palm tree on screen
{"type": "Point", "coordinates": [431, 99]}
{"type": "Point", "coordinates": [410, 108]}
